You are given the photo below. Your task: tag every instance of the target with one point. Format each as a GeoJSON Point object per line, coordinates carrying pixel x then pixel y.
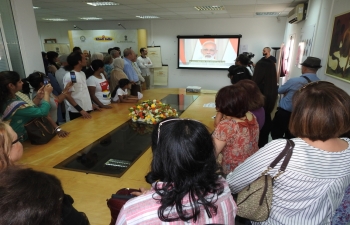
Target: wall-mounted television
{"type": "Point", "coordinates": [216, 52]}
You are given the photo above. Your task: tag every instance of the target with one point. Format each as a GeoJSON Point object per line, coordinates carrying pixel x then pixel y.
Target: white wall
{"type": "Point", "coordinates": [27, 33]}
{"type": "Point", "coordinates": [320, 13]}
{"type": "Point", "coordinates": [257, 33]}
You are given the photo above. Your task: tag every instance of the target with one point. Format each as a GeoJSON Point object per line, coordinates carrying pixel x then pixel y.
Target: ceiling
{"type": "Point", "coordinates": [73, 10]}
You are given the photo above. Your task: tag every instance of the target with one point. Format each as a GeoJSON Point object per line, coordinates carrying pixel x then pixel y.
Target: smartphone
{"type": "Point", "coordinates": [46, 80]}
{"type": "Point", "coordinates": [73, 77]}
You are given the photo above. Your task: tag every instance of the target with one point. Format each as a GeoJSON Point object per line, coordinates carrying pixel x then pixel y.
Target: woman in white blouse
{"type": "Point", "coordinates": [318, 173]}
{"type": "Point", "coordinates": [98, 85]}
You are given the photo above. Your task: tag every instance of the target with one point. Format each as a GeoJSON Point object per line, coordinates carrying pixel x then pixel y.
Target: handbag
{"type": "Point", "coordinates": [117, 201]}
{"type": "Point", "coordinates": [40, 131]}
{"type": "Point", "coordinates": [254, 201]}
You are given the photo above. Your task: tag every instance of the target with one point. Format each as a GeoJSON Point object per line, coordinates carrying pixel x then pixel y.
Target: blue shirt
{"type": "Point", "coordinates": [129, 71]}
{"type": "Point", "coordinates": [290, 87]}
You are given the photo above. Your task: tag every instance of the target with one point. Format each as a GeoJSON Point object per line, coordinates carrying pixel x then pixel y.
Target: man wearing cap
{"type": "Point", "coordinates": [281, 120]}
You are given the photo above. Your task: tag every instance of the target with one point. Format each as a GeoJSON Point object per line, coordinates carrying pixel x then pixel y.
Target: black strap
{"type": "Point", "coordinates": [289, 147]}
{"type": "Point", "coordinates": [288, 156]}
{"type": "Point", "coordinates": [308, 79]}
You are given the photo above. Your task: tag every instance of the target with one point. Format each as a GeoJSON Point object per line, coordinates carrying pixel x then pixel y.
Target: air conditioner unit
{"type": "Point", "coordinates": [298, 13]}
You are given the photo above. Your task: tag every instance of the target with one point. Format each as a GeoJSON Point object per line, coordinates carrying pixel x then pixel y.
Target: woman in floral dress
{"type": "Point", "coordinates": [237, 134]}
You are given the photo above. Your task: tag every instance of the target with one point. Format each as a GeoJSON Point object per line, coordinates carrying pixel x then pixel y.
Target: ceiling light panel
{"type": "Point", "coordinates": [148, 17]}
{"type": "Point", "coordinates": [55, 19]}
{"type": "Point", "coordinates": [209, 8]}
{"type": "Point", "coordinates": [267, 13]}
{"type": "Point", "coordinates": [90, 18]}
{"type": "Point", "coordinates": [102, 3]}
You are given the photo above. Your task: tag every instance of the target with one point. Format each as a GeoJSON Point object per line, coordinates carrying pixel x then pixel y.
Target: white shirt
{"type": "Point", "coordinates": [102, 88]}
{"type": "Point", "coordinates": [144, 64]}
{"type": "Point", "coordinates": [80, 92]}
{"type": "Point", "coordinates": [120, 92]}
{"type": "Point", "coordinates": [311, 188]}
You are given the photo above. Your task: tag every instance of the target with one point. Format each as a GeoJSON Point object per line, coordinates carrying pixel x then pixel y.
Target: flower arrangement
{"type": "Point", "coordinates": [151, 112]}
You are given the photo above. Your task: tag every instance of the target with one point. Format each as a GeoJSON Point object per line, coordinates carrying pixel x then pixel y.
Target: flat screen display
{"type": "Point", "coordinates": [216, 52]}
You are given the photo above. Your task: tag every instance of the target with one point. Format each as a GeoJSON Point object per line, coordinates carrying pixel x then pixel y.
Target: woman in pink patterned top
{"type": "Point", "coordinates": [185, 186]}
{"type": "Point", "coordinates": [237, 134]}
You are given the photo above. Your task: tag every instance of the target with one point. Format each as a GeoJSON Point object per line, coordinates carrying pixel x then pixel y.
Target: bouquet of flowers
{"type": "Point", "coordinates": [151, 112]}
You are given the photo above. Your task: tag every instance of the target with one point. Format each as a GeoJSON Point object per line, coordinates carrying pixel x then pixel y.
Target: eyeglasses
{"type": "Point", "coordinates": [17, 140]}
{"type": "Point", "coordinates": [313, 83]}
{"type": "Point", "coordinates": [161, 123]}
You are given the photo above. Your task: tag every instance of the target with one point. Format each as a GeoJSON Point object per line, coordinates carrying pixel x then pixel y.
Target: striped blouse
{"type": "Point", "coordinates": [144, 210]}
{"type": "Point", "coordinates": [311, 188]}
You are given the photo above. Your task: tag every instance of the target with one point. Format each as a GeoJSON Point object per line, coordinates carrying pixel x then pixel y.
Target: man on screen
{"type": "Point", "coordinates": [209, 50]}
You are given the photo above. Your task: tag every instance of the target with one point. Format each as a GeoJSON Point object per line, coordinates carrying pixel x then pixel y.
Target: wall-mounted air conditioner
{"type": "Point", "coordinates": [298, 13]}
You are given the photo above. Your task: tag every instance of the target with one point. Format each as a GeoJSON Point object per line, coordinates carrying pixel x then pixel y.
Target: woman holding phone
{"type": "Point", "coordinates": [38, 80]}
{"type": "Point", "coordinates": [16, 108]}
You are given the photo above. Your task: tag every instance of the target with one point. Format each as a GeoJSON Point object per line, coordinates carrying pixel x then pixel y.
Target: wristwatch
{"type": "Point", "coordinates": [58, 129]}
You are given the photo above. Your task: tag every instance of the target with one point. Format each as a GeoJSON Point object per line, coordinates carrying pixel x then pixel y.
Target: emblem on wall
{"type": "Point", "coordinates": [103, 38]}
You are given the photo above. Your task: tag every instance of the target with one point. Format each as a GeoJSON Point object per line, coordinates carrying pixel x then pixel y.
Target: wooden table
{"type": "Point", "coordinates": [90, 191]}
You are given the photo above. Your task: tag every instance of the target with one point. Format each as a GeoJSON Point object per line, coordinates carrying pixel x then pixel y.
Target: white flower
{"type": "Point", "coordinates": [133, 112]}
{"type": "Point", "coordinates": [156, 111]}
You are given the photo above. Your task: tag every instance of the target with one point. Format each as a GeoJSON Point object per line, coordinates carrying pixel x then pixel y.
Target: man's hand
{"type": "Point", "coordinates": [85, 114]}
{"type": "Point", "coordinates": [95, 107]}
{"type": "Point", "coordinates": [63, 133]}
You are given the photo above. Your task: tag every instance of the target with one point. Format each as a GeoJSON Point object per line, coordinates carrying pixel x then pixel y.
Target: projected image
{"type": "Point", "coordinates": [207, 53]}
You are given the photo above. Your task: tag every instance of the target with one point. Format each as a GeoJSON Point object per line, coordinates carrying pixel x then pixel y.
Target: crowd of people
{"type": "Point", "coordinates": [193, 172]}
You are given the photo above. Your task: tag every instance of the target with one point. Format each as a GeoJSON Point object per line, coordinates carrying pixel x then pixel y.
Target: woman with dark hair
{"type": "Point", "coordinates": [37, 80]}
{"type": "Point", "coordinates": [255, 100]}
{"type": "Point", "coordinates": [98, 85]}
{"type": "Point", "coordinates": [318, 172]}
{"type": "Point", "coordinates": [30, 197]}
{"type": "Point", "coordinates": [52, 59]}
{"type": "Point", "coordinates": [237, 73]}
{"type": "Point", "coordinates": [236, 135]}
{"type": "Point", "coordinates": [185, 187]}
{"type": "Point", "coordinates": [120, 93]}
{"type": "Point", "coordinates": [265, 76]}
{"type": "Point", "coordinates": [16, 108]}
{"type": "Point", "coordinates": [29, 210]}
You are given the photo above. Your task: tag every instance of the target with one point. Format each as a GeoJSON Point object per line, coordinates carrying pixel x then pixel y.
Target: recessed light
{"type": "Point", "coordinates": [34, 7]}
{"type": "Point", "coordinates": [209, 8]}
{"type": "Point", "coordinates": [54, 19]}
{"type": "Point", "coordinates": [148, 17]}
{"type": "Point", "coordinates": [90, 18]}
{"type": "Point", "coordinates": [102, 3]}
{"type": "Point", "coordinates": [267, 13]}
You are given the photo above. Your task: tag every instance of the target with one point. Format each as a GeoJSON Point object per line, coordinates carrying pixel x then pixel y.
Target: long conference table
{"type": "Point", "coordinates": [90, 191]}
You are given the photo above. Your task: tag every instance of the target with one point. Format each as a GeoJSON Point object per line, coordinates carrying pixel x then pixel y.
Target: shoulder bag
{"type": "Point", "coordinates": [40, 131]}
{"type": "Point", "coordinates": [254, 201]}
{"type": "Point", "coordinates": [117, 201]}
